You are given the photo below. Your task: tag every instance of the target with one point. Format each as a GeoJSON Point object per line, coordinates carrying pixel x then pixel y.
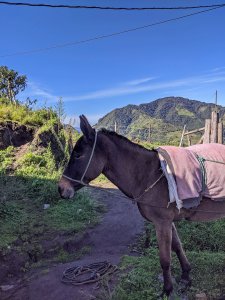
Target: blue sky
{"type": "Point", "coordinates": [182, 58]}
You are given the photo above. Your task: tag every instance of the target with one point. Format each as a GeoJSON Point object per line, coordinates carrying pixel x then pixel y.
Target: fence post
{"type": "Point", "coordinates": [206, 139]}
{"type": "Point", "coordinates": [182, 136]}
{"type": "Point", "coordinates": [220, 133]}
{"type": "Point", "coordinates": [214, 127]}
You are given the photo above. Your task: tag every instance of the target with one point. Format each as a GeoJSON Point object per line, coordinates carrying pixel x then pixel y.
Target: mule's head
{"type": "Point", "coordinates": [79, 160]}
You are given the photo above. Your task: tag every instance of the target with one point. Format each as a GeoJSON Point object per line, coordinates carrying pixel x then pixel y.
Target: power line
{"type": "Point", "coordinates": [107, 7]}
{"type": "Point", "coordinates": [99, 37]}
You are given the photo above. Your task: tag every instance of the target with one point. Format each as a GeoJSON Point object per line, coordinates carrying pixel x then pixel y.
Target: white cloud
{"type": "Point", "coordinates": [139, 85]}
{"type": "Point", "coordinates": [126, 89]}
{"type": "Point", "coordinates": [35, 90]}
{"type": "Point", "coordinates": [218, 69]}
{"type": "Point", "coordinates": [140, 81]}
{"type": "Point", "coordinates": [92, 118]}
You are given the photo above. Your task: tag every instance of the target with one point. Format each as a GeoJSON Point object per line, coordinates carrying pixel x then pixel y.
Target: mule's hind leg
{"type": "Point", "coordinates": [164, 237]}
{"type": "Point", "coordinates": [178, 249]}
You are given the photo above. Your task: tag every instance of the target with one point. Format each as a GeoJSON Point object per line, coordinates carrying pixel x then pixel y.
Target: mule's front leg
{"type": "Point", "coordinates": [178, 249]}
{"type": "Point", "coordinates": [164, 237]}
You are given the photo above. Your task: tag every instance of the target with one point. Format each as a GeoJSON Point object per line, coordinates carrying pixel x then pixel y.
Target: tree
{"type": "Point", "coordinates": [60, 112]}
{"type": "Point", "coordinates": [11, 83]}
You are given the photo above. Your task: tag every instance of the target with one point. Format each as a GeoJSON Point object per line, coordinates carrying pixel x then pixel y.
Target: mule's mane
{"type": "Point", "coordinates": [123, 138]}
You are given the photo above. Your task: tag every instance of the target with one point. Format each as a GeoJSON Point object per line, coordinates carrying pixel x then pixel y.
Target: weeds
{"type": "Point", "coordinates": [22, 114]}
{"type": "Point", "coordinates": [204, 243]}
{"type": "Point", "coordinates": [6, 158]}
{"type": "Point", "coordinates": [25, 226]}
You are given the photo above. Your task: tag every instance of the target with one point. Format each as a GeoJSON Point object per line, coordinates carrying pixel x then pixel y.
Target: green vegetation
{"type": "Point", "coordinates": [73, 216]}
{"type": "Point", "coordinates": [11, 83]}
{"type": "Point", "coordinates": [24, 115]}
{"type": "Point", "coordinates": [166, 116]}
{"type": "Point", "coordinates": [25, 226]}
{"type": "Point", "coordinates": [101, 179]}
{"type": "Point", "coordinates": [6, 157]}
{"type": "Point", "coordinates": [34, 222]}
{"type": "Point", "coordinates": [204, 244]}
{"type": "Point", "coordinates": [184, 112]}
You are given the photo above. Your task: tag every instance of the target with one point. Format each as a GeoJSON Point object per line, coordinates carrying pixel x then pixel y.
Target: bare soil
{"type": "Point", "coordinates": [109, 241]}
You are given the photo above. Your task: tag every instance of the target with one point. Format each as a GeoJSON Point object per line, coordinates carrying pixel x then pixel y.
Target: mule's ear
{"type": "Point", "coordinates": [86, 128]}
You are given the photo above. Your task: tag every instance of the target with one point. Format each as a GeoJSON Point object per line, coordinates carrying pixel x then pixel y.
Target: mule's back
{"type": "Point", "coordinates": [199, 170]}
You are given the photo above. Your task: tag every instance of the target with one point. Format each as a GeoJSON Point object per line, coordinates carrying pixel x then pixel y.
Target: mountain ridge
{"type": "Point", "coordinates": [164, 116]}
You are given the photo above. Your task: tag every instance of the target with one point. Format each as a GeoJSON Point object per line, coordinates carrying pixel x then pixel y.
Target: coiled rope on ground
{"type": "Point", "coordinates": [91, 273]}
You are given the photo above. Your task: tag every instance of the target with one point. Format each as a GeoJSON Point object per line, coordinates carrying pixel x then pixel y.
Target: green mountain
{"type": "Point", "coordinates": [165, 117]}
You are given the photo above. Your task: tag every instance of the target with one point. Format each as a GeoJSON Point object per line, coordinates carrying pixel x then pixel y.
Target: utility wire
{"type": "Point", "coordinates": [99, 37]}
{"type": "Point", "coordinates": [107, 7]}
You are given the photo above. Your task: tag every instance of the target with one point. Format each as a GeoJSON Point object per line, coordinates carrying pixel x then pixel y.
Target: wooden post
{"type": "Point", "coordinates": [189, 140]}
{"type": "Point", "coordinates": [201, 140]}
{"type": "Point", "coordinates": [115, 127]}
{"type": "Point", "coordinates": [214, 127]}
{"type": "Point", "coordinates": [194, 131]}
{"type": "Point", "coordinates": [182, 136]}
{"type": "Point", "coordinates": [206, 139]}
{"type": "Point", "coordinates": [220, 133]}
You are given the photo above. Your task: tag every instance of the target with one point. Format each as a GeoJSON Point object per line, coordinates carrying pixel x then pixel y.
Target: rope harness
{"type": "Point", "coordinates": [79, 275]}
{"type": "Point", "coordinates": [81, 181]}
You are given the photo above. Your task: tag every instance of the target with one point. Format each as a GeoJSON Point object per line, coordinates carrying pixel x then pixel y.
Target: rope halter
{"type": "Point", "coordinates": [81, 181]}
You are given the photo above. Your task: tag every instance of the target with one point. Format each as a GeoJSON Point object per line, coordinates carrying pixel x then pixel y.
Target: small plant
{"type": "Point", "coordinates": [6, 159]}
{"type": "Point", "coordinates": [38, 165]}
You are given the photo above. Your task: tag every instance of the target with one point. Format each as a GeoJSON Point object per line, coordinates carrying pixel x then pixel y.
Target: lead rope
{"type": "Point", "coordinates": [79, 275]}
{"type": "Point", "coordinates": [136, 199]}
{"type": "Point", "coordinates": [81, 181]}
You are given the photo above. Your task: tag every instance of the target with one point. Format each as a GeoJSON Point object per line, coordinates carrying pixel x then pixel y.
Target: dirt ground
{"type": "Point", "coordinates": [109, 241]}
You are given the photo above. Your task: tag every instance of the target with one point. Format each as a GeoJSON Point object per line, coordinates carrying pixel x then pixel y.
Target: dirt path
{"type": "Point", "coordinates": [109, 241]}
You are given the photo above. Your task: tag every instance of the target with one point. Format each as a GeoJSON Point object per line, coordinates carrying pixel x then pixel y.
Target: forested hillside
{"type": "Point", "coordinates": [165, 117]}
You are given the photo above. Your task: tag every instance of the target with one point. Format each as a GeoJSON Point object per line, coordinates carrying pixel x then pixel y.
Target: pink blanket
{"type": "Point", "coordinates": [187, 171]}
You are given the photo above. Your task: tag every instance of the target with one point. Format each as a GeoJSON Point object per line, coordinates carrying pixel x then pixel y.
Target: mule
{"type": "Point", "coordinates": [136, 172]}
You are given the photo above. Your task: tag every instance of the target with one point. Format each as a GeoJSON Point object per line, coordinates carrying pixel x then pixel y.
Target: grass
{"type": "Point", "coordinates": [6, 158]}
{"type": "Point", "coordinates": [73, 216]}
{"type": "Point", "coordinates": [23, 216]}
{"type": "Point", "coordinates": [101, 179]}
{"type": "Point", "coordinates": [24, 115]}
{"type": "Point", "coordinates": [204, 244]}
{"type": "Point", "coordinates": [142, 281]}
{"type": "Point", "coordinates": [25, 226]}
{"type": "Point", "coordinates": [184, 112]}
{"type": "Point", "coordinates": [28, 182]}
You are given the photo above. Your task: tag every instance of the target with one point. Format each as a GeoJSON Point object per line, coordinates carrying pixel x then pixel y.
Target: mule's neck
{"type": "Point", "coordinates": [131, 168]}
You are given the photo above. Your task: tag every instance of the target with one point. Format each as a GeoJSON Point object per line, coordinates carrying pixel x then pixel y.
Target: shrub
{"type": "Point", "coordinates": [24, 115]}
{"type": "Point", "coordinates": [6, 158]}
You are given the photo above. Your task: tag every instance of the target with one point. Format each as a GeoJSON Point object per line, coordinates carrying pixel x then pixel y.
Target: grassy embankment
{"type": "Point", "coordinates": [204, 244]}
{"type": "Point", "coordinates": [27, 183]}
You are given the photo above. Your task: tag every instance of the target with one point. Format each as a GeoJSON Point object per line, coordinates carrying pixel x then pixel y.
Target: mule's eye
{"type": "Point", "coordinates": [77, 155]}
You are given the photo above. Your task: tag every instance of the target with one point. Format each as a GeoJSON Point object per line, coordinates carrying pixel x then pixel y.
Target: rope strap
{"type": "Point", "coordinates": [202, 161]}
{"type": "Point", "coordinates": [79, 275]}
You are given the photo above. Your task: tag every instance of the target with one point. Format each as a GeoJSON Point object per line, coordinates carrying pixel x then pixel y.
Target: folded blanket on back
{"type": "Point", "coordinates": [197, 171]}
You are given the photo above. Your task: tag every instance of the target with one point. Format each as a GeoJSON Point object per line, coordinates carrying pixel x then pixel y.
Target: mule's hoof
{"type": "Point", "coordinates": [166, 292]}
{"type": "Point", "coordinates": [183, 286]}
{"type": "Point", "coordinates": [172, 296]}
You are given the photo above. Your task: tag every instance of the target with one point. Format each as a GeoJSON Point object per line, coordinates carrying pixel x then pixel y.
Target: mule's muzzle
{"type": "Point", "coordinates": [66, 190]}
